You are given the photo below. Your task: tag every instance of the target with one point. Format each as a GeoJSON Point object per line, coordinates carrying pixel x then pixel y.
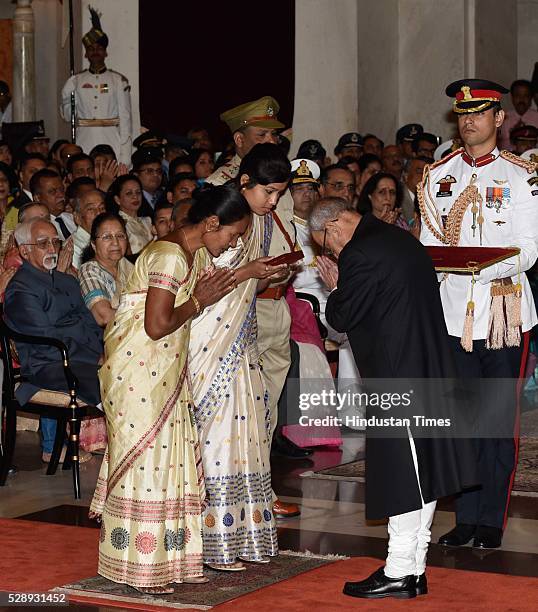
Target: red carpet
{"type": "Point", "coordinates": [38, 556]}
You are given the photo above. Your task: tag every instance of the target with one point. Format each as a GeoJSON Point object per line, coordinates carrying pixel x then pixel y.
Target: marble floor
{"type": "Point", "coordinates": [332, 519]}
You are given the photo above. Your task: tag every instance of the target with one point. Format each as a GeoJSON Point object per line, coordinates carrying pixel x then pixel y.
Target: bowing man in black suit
{"type": "Point", "coordinates": [385, 297]}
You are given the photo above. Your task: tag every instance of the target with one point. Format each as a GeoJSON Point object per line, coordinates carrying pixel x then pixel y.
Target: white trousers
{"type": "Point", "coordinates": [409, 535]}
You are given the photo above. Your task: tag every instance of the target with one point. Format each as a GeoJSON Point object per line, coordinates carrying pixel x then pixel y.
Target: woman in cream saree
{"type": "Point", "coordinates": [228, 389]}
{"type": "Point", "coordinates": [150, 492]}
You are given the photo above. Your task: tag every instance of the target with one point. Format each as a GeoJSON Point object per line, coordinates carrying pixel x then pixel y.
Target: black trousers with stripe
{"type": "Point", "coordinates": [487, 504]}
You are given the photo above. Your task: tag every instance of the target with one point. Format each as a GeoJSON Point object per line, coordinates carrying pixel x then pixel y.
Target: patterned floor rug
{"type": "Point", "coordinates": [526, 481]}
{"type": "Point", "coordinates": [222, 586]}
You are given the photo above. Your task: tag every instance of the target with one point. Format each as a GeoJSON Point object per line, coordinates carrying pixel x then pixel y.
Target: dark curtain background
{"type": "Point", "coordinates": [198, 59]}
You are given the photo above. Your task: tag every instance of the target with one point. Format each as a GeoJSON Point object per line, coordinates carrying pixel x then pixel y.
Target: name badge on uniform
{"type": "Point", "coordinates": [445, 186]}
{"type": "Point", "coordinates": [103, 88]}
{"type": "Point", "coordinates": [497, 197]}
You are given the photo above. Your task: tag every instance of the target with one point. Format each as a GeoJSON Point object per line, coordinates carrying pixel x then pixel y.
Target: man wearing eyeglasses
{"type": "Point", "coordinates": [338, 181]}
{"type": "Point", "coordinates": [148, 168]}
{"type": "Point", "coordinates": [41, 301]}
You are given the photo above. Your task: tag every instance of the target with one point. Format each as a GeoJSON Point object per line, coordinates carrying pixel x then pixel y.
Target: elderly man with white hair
{"type": "Point", "coordinates": [42, 301]}
{"type": "Point", "coordinates": [385, 297]}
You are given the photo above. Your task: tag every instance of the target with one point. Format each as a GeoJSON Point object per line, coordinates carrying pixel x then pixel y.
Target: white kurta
{"type": "Point", "coordinates": [100, 97]}
{"type": "Point", "coordinates": [510, 210]}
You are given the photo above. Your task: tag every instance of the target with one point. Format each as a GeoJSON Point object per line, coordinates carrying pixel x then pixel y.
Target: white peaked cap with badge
{"type": "Point", "coordinates": [531, 155]}
{"type": "Point", "coordinates": [304, 171]}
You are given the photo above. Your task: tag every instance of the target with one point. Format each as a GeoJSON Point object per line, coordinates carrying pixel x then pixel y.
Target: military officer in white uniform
{"type": "Point", "coordinates": [252, 123]}
{"type": "Point", "coordinates": [304, 187]}
{"type": "Point", "coordinates": [102, 99]}
{"type": "Point", "coordinates": [478, 196]}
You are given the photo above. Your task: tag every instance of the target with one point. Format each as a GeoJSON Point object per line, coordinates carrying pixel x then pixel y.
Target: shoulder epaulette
{"type": "Point", "coordinates": [529, 166]}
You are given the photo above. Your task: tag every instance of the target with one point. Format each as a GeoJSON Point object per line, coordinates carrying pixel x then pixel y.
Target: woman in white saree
{"type": "Point", "coordinates": [228, 389]}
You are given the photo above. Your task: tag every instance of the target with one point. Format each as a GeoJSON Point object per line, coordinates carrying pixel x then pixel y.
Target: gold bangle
{"type": "Point", "coordinates": [196, 305]}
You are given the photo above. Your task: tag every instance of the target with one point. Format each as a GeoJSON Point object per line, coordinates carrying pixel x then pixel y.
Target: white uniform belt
{"type": "Point", "coordinates": [98, 122]}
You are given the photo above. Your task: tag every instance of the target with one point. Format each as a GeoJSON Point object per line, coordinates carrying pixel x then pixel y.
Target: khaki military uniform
{"type": "Point", "coordinates": [272, 310]}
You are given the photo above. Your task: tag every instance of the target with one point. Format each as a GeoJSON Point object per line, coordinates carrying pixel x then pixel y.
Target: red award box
{"type": "Point", "coordinates": [286, 258]}
{"type": "Point", "coordinates": [468, 259]}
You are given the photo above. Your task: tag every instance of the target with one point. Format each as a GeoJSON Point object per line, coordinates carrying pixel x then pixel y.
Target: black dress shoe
{"type": "Point", "coordinates": [421, 584]}
{"type": "Point", "coordinates": [459, 536]}
{"type": "Point", "coordinates": [488, 537]}
{"type": "Point", "coordinates": [378, 586]}
{"type": "Point", "coordinates": [286, 448]}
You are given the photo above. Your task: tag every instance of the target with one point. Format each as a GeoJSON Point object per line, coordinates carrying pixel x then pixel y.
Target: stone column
{"type": "Point", "coordinates": [23, 62]}
{"type": "Point", "coordinates": [326, 72]}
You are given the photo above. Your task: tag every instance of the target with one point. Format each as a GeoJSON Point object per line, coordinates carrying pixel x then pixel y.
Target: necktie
{"type": "Point", "coordinates": [63, 227]}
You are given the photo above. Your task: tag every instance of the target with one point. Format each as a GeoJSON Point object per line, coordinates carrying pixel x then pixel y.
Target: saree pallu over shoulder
{"type": "Point", "coordinates": [232, 417]}
{"type": "Point", "coordinates": [150, 491]}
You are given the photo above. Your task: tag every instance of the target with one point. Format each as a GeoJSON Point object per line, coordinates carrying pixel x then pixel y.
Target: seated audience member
{"type": "Point", "coordinates": [105, 269]}
{"type": "Point", "coordinates": [369, 165]}
{"type": "Point", "coordinates": [521, 113]}
{"type": "Point", "coordinates": [47, 188]}
{"type": "Point", "coordinates": [174, 147]}
{"type": "Point", "coordinates": [372, 145]}
{"type": "Point", "coordinates": [76, 189]}
{"type": "Point", "coordinates": [352, 163]}
{"type": "Point", "coordinates": [411, 177]}
{"type": "Point", "coordinates": [180, 187]}
{"type": "Point", "coordinates": [56, 149]}
{"type": "Point", "coordinates": [203, 163]}
{"type": "Point", "coordinates": [382, 196]}
{"type": "Point", "coordinates": [147, 167]}
{"type": "Point", "coordinates": [424, 145]}
{"type": "Point", "coordinates": [405, 136]}
{"type": "Point", "coordinates": [337, 181]}
{"type": "Point", "coordinates": [180, 165]}
{"type": "Point", "coordinates": [162, 223]}
{"type": "Point", "coordinates": [37, 143]}
{"type": "Point", "coordinates": [107, 167]}
{"type": "Point", "coordinates": [8, 186]}
{"type": "Point", "coordinates": [200, 137]}
{"type": "Point", "coordinates": [31, 211]}
{"type": "Point", "coordinates": [523, 138]}
{"type": "Point", "coordinates": [78, 166]}
{"type": "Point", "coordinates": [349, 145]}
{"type": "Point", "coordinates": [181, 211]}
{"type": "Point", "coordinates": [125, 196]}
{"type": "Point", "coordinates": [392, 161]}
{"type": "Point", "coordinates": [29, 164]}
{"type": "Point", "coordinates": [6, 156]}
{"type": "Point", "coordinates": [67, 151]}
{"type": "Point", "coordinates": [42, 301]}
{"type": "Point", "coordinates": [102, 153]}
{"type": "Point", "coordinates": [87, 207]}
{"type": "Point", "coordinates": [313, 150]}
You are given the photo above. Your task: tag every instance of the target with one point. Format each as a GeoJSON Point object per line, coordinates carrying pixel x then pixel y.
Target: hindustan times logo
{"type": "Point", "coordinates": [362, 399]}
